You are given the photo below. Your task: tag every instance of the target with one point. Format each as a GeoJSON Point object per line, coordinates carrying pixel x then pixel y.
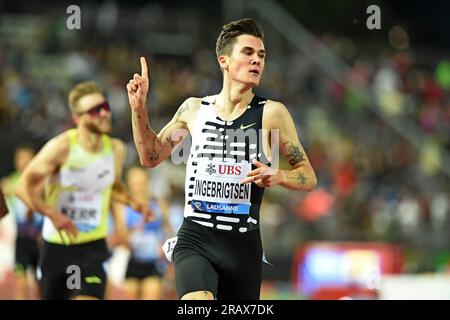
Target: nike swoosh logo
{"type": "Point", "coordinates": [245, 127]}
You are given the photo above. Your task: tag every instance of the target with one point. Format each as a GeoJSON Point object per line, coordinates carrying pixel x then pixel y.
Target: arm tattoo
{"type": "Point", "coordinates": [153, 155]}
{"type": "Point", "coordinates": [294, 156]}
{"type": "Point", "coordinates": [300, 178]}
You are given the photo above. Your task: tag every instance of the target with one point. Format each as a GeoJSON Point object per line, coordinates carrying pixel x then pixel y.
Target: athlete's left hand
{"type": "Point", "coordinates": [264, 176]}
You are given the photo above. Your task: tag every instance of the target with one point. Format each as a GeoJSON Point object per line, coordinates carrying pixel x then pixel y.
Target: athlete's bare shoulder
{"type": "Point", "coordinates": [117, 143]}
{"type": "Point", "coordinates": [274, 112]}
{"type": "Point", "coordinates": [188, 109]}
{"type": "Point", "coordinates": [59, 145]}
{"type": "Point", "coordinates": [54, 152]}
{"type": "Point", "coordinates": [118, 147]}
{"type": "Point", "coordinates": [119, 151]}
{"type": "Point", "coordinates": [274, 106]}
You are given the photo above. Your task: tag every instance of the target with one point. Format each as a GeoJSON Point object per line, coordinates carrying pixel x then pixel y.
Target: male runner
{"type": "Point", "coordinates": [218, 251]}
{"type": "Point", "coordinates": [82, 169]}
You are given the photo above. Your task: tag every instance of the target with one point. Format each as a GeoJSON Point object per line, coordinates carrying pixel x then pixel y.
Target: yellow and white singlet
{"type": "Point", "coordinates": [82, 190]}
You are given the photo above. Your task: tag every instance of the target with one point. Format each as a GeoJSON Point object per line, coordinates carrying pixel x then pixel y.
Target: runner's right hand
{"type": "Point", "coordinates": [138, 88]}
{"type": "Point", "coordinates": [63, 222]}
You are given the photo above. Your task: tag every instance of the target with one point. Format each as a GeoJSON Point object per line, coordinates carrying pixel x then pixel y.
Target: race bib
{"type": "Point", "coordinates": [83, 208]}
{"type": "Point", "coordinates": [218, 188]}
{"type": "Point", "coordinates": [168, 247]}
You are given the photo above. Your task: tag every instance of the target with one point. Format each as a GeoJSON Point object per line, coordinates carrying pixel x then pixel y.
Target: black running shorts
{"type": "Point", "coordinates": [74, 270]}
{"type": "Point", "coordinates": [228, 264]}
{"type": "Point", "coordinates": [27, 254]}
{"type": "Point", "coordinates": [142, 269]}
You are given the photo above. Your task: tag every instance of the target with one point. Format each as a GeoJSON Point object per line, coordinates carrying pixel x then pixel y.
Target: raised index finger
{"type": "Point", "coordinates": [144, 72]}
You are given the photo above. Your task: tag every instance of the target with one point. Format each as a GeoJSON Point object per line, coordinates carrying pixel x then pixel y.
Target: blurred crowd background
{"type": "Point", "coordinates": [372, 109]}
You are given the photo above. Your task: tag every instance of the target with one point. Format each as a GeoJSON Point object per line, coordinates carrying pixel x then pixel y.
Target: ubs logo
{"type": "Point", "coordinates": [224, 169]}
{"type": "Point", "coordinates": [229, 169]}
{"type": "Point", "coordinates": [211, 168]}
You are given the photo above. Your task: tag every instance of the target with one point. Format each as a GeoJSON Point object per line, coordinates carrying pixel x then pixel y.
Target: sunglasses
{"type": "Point", "coordinates": [95, 111]}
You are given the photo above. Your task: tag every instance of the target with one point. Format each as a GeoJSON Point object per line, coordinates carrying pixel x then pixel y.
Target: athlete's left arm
{"type": "Point", "coordinates": [119, 192]}
{"type": "Point", "coordinates": [302, 176]}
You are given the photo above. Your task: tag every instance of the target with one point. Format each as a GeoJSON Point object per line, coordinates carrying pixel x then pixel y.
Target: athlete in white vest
{"type": "Point", "coordinates": [217, 252]}
{"type": "Point", "coordinates": [81, 169]}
